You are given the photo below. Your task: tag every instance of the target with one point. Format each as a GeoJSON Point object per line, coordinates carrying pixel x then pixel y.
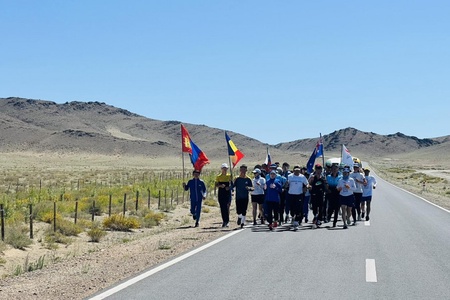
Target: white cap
{"type": "Point", "coordinates": [224, 165]}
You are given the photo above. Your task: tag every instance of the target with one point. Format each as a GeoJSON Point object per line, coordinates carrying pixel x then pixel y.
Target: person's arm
{"type": "Point", "coordinates": [186, 185]}
{"type": "Point", "coordinates": [203, 191]}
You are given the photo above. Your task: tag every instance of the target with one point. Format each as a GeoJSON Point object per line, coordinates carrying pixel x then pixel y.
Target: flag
{"type": "Point", "coordinates": [235, 154]}
{"type": "Point", "coordinates": [197, 156]}
{"type": "Point", "coordinates": [185, 140]}
{"type": "Point", "coordinates": [268, 160]}
{"type": "Point", "coordinates": [346, 159]}
{"type": "Point", "coordinates": [317, 152]}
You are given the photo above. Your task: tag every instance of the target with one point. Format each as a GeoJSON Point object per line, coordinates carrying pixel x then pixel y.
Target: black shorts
{"type": "Point", "coordinates": [258, 198]}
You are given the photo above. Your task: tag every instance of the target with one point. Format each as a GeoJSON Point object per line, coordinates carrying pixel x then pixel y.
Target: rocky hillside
{"type": "Point", "coordinates": [93, 127]}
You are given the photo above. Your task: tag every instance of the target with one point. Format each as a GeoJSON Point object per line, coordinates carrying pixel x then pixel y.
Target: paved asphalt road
{"type": "Point", "coordinates": [402, 253]}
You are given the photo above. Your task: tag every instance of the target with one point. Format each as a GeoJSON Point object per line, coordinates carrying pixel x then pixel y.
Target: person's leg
{"type": "Point", "coordinates": [239, 210]}
{"type": "Point", "coordinates": [254, 209]}
{"type": "Point", "coordinates": [369, 206]}
{"type": "Point", "coordinates": [193, 208]}
{"type": "Point", "coordinates": [275, 212]}
{"type": "Point", "coordinates": [357, 207]}
{"type": "Point", "coordinates": [306, 200]}
{"type": "Point", "coordinates": [320, 203]}
{"type": "Point", "coordinates": [344, 215]}
{"type": "Point", "coordinates": [198, 211]}
{"type": "Point", "coordinates": [363, 207]}
{"type": "Point", "coordinates": [269, 210]}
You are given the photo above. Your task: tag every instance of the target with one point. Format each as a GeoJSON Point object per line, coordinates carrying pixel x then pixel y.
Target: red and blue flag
{"type": "Point", "coordinates": [197, 156]}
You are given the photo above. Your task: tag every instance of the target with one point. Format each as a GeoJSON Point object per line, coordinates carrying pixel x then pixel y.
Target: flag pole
{"type": "Point", "coordinates": [229, 160]}
{"type": "Point", "coordinates": [323, 152]}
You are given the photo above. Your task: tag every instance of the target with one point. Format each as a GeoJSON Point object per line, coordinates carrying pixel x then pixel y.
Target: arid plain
{"type": "Point", "coordinates": [58, 150]}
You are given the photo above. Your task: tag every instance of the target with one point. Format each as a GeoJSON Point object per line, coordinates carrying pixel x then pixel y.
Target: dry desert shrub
{"type": "Point", "coordinates": [17, 237]}
{"type": "Point", "coordinates": [121, 223]}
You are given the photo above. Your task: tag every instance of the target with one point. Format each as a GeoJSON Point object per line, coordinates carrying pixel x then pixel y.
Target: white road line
{"type": "Point", "coordinates": [371, 271]}
{"type": "Point", "coordinates": [160, 268]}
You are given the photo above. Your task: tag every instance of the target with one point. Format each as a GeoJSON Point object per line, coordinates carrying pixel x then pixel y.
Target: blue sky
{"type": "Point", "coordinates": [276, 71]}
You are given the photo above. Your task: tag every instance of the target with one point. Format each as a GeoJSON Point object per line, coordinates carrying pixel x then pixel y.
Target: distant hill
{"type": "Point", "coordinates": [94, 127]}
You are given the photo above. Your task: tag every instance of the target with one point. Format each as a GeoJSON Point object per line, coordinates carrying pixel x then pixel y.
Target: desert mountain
{"type": "Point", "coordinates": [94, 127]}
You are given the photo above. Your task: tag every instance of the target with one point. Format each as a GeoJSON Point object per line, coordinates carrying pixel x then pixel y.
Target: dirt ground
{"type": "Point", "coordinates": [84, 268]}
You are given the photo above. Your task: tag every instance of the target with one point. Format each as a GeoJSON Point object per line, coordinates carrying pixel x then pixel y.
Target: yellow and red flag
{"type": "Point", "coordinates": [235, 154]}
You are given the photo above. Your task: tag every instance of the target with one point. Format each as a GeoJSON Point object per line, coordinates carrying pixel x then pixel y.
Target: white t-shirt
{"type": "Point", "coordinates": [296, 184]}
{"type": "Point", "coordinates": [359, 177]}
{"type": "Point", "coordinates": [367, 189]}
{"type": "Point", "coordinates": [258, 185]}
{"type": "Point", "coordinates": [345, 191]}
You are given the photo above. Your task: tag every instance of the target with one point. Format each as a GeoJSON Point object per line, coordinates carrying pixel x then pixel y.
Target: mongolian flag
{"type": "Point", "coordinates": [198, 158]}
{"type": "Point", "coordinates": [233, 151]}
{"type": "Point", "coordinates": [317, 152]}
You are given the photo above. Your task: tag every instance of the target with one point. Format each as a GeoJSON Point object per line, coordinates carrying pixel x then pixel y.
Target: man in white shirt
{"type": "Point", "coordinates": [296, 183]}
{"type": "Point", "coordinates": [371, 184]}
{"type": "Point", "coordinates": [359, 179]}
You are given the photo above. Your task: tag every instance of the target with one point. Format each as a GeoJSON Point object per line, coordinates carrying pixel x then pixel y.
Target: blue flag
{"type": "Point", "coordinates": [317, 152]}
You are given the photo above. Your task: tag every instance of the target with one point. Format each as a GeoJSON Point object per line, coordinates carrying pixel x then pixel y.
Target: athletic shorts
{"type": "Point", "coordinates": [366, 198]}
{"type": "Point", "coordinates": [258, 198]}
{"type": "Point", "coordinates": [347, 200]}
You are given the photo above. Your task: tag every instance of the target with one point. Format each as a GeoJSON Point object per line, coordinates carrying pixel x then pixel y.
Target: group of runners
{"type": "Point", "coordinates": [281, 195]}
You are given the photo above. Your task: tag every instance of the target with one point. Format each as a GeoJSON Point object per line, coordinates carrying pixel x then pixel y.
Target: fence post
{"type": "Point", "coordinates": [76, 210]}
{"type": "Point", "coordinates": [93, 210]}
{"type": "Point", "coordinates": [159, 199]}
{"type": "Point", "coordinates": [31, 221]}
{"type": "Point", "coordinates": [137, 200]}
{"type": "Point", "coordinates": [171, 200]}
{"type": "Point", "coordinates": [124, 203]}
{"type": "Point", "coordinates": [54, 216]}
{"type": "Point", "coordinates": [148, 199]}
{"type": "Point", "coordinates": [2, 218]}
{"type": "Point", "coordinates": [109, 207]}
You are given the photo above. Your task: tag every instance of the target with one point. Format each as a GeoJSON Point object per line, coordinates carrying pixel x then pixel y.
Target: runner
{"type": "Point", "coordinates": [257, 195]}
{"type": "Point", "coordinates": [223, 183]}
{"type": "Point", "coordinates": [333, 193]}
{"type": "Point", "coordinates": [317, 187]}
{"type": "Point", "coordinates": [197, 193]}
{"type": "Point", "coordinates": [371, 184]}
{"type": "Point", "coordinates": [346, 186]}
{"type": "Point", "coordinates": [295, 195]}
{"type": "Point", "coordinates": [242, 185]}
{"type": "Point", "coordinates": [359, 181]}
{"type": "Point", "coordinates": [272, 200]}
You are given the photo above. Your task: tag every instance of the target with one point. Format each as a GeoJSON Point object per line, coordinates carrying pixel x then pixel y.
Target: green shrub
{"type": "Point", "coordinates": [17, 237]}
{"type": "Point", "coordinates": [153, 219]}
{"type": "Point", "coordinates": [210, 202]}
{"type": "Point", "coordinates": [96, 234]}
{"type": "Point", "coordinates": [120, 223]}
{"type": "Point", "coordinates": [56, 237]}
{"type": "Point", "coordinates": [67, 227]}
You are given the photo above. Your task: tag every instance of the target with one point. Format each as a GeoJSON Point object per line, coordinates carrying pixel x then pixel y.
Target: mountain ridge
{"type": "Point", "coordinates": [96, 127]}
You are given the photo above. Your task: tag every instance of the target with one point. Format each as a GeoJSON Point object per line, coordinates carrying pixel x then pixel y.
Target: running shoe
{"type": "Point", "coordinates": [367, 218]}
{"type": "Point", "coordinates": [362, 214]}
{"type": "Point", "coordinates": [275, 224]}
{"type": "Point", "coordinates": [239, 221]}
{"type": "Point", "coordinates": [345, 227]}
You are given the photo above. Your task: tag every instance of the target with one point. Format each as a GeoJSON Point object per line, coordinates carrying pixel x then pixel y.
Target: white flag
{"type": "Point", "coordinates": [347, 159]}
